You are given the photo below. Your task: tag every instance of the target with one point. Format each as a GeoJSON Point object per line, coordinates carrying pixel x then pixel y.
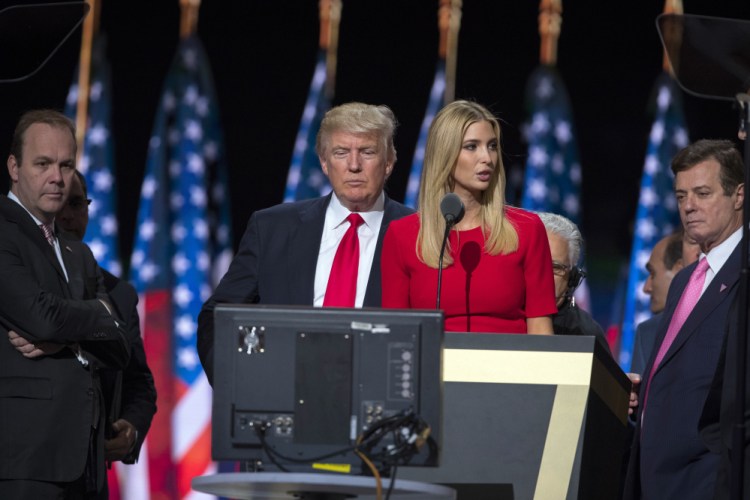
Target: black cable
{"type": "Point", "coordinates": [400, 452]}
{"type": "Point", "coordinates": [393, 482]}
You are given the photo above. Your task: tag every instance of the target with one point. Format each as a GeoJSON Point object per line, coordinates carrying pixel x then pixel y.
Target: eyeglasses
{"type": "Point", "coordinates": [560, 269]}
{"type": "Point", "coordinates": [79, 203]}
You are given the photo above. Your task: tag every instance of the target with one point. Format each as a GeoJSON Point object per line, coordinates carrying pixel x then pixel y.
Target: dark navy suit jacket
{"type": "Point", "coordinates": [668, 457]}
{"type": "Point", "coordinates": [276, 263]}
{"type": "Point", "coordinates": [645, 336]}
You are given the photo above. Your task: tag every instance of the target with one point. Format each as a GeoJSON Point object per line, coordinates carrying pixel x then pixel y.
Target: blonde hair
{"type": "Point", "coordinates": [444, 142]}
{"type": "Point", "coordinates": [358, 118]}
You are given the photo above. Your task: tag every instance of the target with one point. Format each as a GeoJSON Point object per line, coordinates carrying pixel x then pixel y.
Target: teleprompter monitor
{"type": "Point", "coordinates": [315, 389]}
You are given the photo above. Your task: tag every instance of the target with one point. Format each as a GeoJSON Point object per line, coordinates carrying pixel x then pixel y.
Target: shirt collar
{"type": "Point", "coordinates": [339, 212]}
{"type": "Point", "coordinates": [13, 197]}
{"type": "Point", "coordinates": [718, 255]}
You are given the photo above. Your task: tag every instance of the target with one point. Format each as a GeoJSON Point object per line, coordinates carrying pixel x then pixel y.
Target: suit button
{"type": "Point", "coordinates": [90, 391]}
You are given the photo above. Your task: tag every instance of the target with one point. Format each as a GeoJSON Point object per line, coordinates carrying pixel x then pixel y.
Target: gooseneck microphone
{"type": "Point", "coordinates": [452, 209]}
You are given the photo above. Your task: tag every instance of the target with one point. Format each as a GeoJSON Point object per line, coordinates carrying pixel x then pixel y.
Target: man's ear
{"type": "Point", "coordinates": [323, 165]}
{"type": "Point", "coordinates": [678, 265]}
{"type": "Point", "coordinates": [388, 169]}
{"type": "Point", "coordinates": [13, 168]}
{"type": "Point", "coordinates": [740, 197]}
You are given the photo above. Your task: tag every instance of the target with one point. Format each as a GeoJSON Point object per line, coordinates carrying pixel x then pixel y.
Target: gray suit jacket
{"type": "Point", "coordinates": [276, 263]}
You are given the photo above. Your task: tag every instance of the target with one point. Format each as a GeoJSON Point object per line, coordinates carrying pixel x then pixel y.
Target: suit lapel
{"type": "Point", "coordinates": [303, 250]}
{"type": "Point", "coordinates": [71, 259]}
{"type": "Point", "coordinates": [16, 213]}
{"type": "Point", "coordinates": [718, 291]}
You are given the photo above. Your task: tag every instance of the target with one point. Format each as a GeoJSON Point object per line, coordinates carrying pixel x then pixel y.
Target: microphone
{"type": "Point", "coordinates": [452, 209]}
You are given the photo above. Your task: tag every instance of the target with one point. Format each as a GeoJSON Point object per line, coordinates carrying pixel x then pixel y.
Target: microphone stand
{"type": "Point", "coordinates": [738, 430]}
{"type": "Point", "coordinates": [449, 223]}
{"type": "Point", "coordinates": [453, 211]}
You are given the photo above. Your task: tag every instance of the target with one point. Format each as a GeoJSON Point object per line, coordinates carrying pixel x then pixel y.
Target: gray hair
{"type": "Point", "coordinates": [566, 229]}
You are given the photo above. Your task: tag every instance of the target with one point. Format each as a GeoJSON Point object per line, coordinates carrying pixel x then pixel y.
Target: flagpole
{"type": "Point", "coordinates": [188, 17]}
{"type": "Point", "coordinates": [84, 75]}
{"type": "Point", "coordinates": [671, 7]}
{"type": "Point", "coordinates": [550, 24]}
{"type": "Point", "coordinates": [449, 23]}
{"type": "Point", "coordinates": [330, 19]}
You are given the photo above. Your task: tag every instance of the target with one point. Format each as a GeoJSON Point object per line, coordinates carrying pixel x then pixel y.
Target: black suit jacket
{"type": "Point", "coordinates": [276, 263]}
{"type": "Point", "coordinates": [130, 393]}
{"type": "Point", "coordinates": [717, 421]}
{"type": "Point", "coordinates": [668, 458]}
{"type": "Point", "coordinates": [49, 404]}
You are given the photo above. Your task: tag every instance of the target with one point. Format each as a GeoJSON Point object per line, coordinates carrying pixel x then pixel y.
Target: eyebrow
{"type": "Point", "coordinates": [50, 160]}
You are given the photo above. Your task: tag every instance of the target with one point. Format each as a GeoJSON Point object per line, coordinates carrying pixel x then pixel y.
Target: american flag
{"type": "Point", "coordinates": [553, 172]}
{"type": "Point", "coordinates": [305, 178]}
{"type": "Point", "coordinates": [437, 95]}
{"type": "Point", "coordinates": [657, 213]}
{"type": "Point", "coordinates": [183, 241]}
{"type": "Point", "coordinates": [96, 162]}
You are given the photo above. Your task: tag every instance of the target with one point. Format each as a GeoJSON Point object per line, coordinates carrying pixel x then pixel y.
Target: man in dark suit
{"type": "Point", "coordinates": [665, 262]}
{"type": "Point", "coordinates": [52, 294]}
{"type": "Point", "coordinates": [130, 395]}
{"type": "Point", "coordinates": [668, 458]}
{"type": "Point", "coordinates": [287, 252]}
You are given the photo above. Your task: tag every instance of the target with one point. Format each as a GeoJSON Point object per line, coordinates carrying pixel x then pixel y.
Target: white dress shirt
{"type": "Point", "coordinates": [719, 255]}
{"type": "Point", "coordinates": [39, 223]}
{"type": "Point", "coordinates": [333, 232]}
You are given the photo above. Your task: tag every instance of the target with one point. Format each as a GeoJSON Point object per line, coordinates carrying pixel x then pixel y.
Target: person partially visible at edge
{"type": "Point", "coordinates": [130, 394]}
{"type": "Point", "coordinates": [566, 244]}
{"type": "Point", "coordinates": [668, 257]}
{"type": "Point", "coordinates": [497, 274]}
{"type": "Point", "coordinates": [59, 322]}
{"type": "Point", "coordinates": [668, 458]}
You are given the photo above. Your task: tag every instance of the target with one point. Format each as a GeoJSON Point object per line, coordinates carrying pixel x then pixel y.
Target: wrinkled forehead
{"type": "Point", "coordinates": [704, 174]}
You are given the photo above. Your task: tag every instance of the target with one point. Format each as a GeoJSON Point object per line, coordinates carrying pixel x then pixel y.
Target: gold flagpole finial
{"type": "Point", "coordinates": [90, 26]}
{"type": "Point", "coordinates": [449, 24]}
{"type": "Point", "coordinates": [550, 23]}
{"type": "Point", "coordinates": [189, 17]}
{"type": "Point", "coordinates": [330, 19]}
{"type": "Point", "coordinates": [672, 35]}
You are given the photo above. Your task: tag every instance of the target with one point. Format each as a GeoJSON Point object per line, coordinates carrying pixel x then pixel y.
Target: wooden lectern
{"type": "Point", "coordinates": [530, 417]}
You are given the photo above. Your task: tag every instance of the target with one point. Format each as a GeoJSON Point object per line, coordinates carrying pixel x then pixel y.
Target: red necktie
{"type": "Point", "coordinates": [47, 230]}
{"type": "Point", "coordinates": [687, 302]}
{"type": "Point", "coordinates": [342, 283]}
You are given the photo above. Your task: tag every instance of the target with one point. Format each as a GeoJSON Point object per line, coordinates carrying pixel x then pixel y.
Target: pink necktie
{"type": "Point", "coordinates": [342, 283]}
{"type": "Point", "coordinates": [687, 302]}
{"type": "Point", "coordinates": [47, 230]}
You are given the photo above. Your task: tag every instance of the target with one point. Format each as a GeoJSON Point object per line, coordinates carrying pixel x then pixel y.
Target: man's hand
{"type": "Point", "coordinates": [31, 350]}
{"type": "Point", "coordinates": [122, 443]}
{"type": "Point", "coordinates": [635, 379]}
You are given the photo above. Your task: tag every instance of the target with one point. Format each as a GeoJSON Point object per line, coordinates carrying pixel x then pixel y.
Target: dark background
{"type": "Point", "coordinates": [263, 53]}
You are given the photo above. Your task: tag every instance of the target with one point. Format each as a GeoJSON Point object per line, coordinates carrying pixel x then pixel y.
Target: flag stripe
{"type": "Point", "coordinates": [190, 417]}
{"type": "Point", "coordinates": [183, 238]}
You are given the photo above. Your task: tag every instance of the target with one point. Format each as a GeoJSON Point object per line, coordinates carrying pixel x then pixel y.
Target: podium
{"type": "Point", "coordinates": [530, 417]}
